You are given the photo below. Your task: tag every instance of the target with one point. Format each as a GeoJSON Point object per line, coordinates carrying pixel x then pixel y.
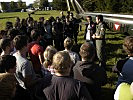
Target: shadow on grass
{"type": "Point", "coordinates": [8, 17]}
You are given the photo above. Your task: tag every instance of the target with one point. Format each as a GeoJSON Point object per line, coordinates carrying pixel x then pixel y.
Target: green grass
{"type": "Point", "coordinates": [4, 17]}
{"type": "Point", "coordinates": [114, 42]}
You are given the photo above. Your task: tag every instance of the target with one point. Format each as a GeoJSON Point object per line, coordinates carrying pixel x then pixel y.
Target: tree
{"type": "Point", "coordinates": [36, 4]}
{"type": "Point", "coordinates": [59, 4]}
{"type": "Point", "coordinates": [43, 4]}
{"type": "Point", "coordinates": [100, 5]}
{"type": "Point", "coordinates": [13, 5]}
{"type": "Point", "coordinates": [20, 4]}
{"type": "Point", "coordinates": [4, 6]}
{"type": "Point", "coordinates": [89, 5]}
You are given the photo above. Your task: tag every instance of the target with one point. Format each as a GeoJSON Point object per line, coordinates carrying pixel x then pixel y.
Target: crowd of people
{"type": "Point", "coordinates": [37, 61]}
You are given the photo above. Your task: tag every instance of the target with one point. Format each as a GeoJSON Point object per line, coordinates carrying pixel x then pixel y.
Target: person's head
{"type": "Point", "coordinates": [6, 44]}
{"type": "Point", "coordinates": [128, 45]}
{"type": "Point", "coordinates": [71, 14]}
{"type": "Point", "coordinates": [62, 63]}
{"type": "Point", "coordinates": [7, 64]}
{"type": "Point", "coordinates": [20, 42]}
{"type": "Point", "coordinates": [58, 19]}
{"type": "Point", "coordinates": [68, 12]}
{"type": "Point", "coordinates": [99, 18]}
{"type": "Point", "coordinates": [7, 86]}
{"type": "Point", "coordinates": [41, 19]}
{"type": "Point", "coordinates": [12, 33]}
{"type": "Point", "coordinates": [30, 21]}
{"type": "Point", "coordinates": [17, 19]}
{"type": "Point", "coordinates": [89, 18]}
{"type": "Point", "coordinates": [2, 34]}
{"type": "Point", "coordinates": [48, 55]}
{"type": "Point", "coordinates": [9, 25]}
{"type": "Point", "coordinates": [23, 22]}
{"type": "Point", "coordinates": [68, 43]}
{"type": "Point", "coordinates": [87, 51]}
{"type": "Point", "coordinates": [35, 35]}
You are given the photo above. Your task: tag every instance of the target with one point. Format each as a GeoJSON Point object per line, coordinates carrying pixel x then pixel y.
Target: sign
{"type": "Point", "coordinates": [117, 26]}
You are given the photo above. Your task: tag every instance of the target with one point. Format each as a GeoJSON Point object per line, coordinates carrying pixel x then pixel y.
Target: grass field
{"type": "Point", "coordinates": [114, 42]}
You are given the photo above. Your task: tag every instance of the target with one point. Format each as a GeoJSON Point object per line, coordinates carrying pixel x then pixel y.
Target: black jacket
{"type": "Point", "coordinates": [92, 75]}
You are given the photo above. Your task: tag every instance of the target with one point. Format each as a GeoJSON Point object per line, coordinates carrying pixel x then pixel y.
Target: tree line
{"type": "Point", "coordinates": [113, 6]}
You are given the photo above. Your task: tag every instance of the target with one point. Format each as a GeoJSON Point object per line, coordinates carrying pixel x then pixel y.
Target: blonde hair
{"type": "Point", "coordinates": [48, 55]}
{"type": "Point", "coordinates": [68, 43]}
{"type": "Point", "coordinates": [61, 62]}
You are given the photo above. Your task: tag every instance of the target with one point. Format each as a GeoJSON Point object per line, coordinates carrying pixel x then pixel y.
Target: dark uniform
{"type": "Point", "coordinates": [100, 44]}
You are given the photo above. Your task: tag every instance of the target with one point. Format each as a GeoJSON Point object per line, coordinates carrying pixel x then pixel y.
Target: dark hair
{"type": "Point", "coordinates": [100, 17]}
{"type": "Point", "coordinates": [41, 18]}
{"type": "Point", "coordinates": [4, 43]}
{"type": "Point", "coordinates": [20, 41]}
{"type": "Point", "coordinates": [87, 50]}
{"type": "Point", "coordinates": [89, 17]}
{"type": "Point", "coordinates": [17, 18]}
{"type": "Point", "coordinates": [7, 62]}
{"type": "Point", "coordinates": [68, 12]}
{"type": "Point", "coordinates": [35, 34]}
{"type": "Point", "coordinates": [3, 32]}
{"type": "Point", "coordinates": [12, 33]}
{"type": "Point", "coordinates": [9, 25]}
{"type": "Point", "coordinates": [128, 45]}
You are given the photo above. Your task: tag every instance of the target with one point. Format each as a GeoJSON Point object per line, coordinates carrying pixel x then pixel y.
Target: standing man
{"type": "Point", "coordinates": [90, 29]}
{"type": "Point", "coordinates": [75, 23]}
{"type": "Point", "coordinates": [36, 51]}
{"type": "Point", "coordinates": [99, 36]}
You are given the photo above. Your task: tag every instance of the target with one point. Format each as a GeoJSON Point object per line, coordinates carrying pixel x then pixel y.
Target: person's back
{"type": "Point", "coordinates": [126, 74]}
{"type": "Point", "coordinates": [65, 88]}
{"type": "Point", "coordinates": [88, 72]}
{"type": "Point", "coordinates": [61, 86]}
{"type": "Point", "coordinates": [36, 51]}
{"type": "Point", "coordinates": [68, 44]}
{"type": "Point", "coordinates": [7, 86]}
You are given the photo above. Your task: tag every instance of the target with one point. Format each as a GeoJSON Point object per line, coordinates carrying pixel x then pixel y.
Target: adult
{"type": "Point", "coordinates": [89, 72]}
{"type": "Point", "coordinates": [24, 71]}
{"type": "Point", "coordinates": [68, 44]}
{"type": "Point", "coordinates": [75, 22]}
{"type": "Point", "coordinates": [61, 86]}
{"type": "Point", "coordinates": [6, 46]}
{"type": "Point", "coordinates": [36, 51]}
{"type": "Point", "coordinates": [126, 74]}
{"type": "Point", "coordinates": [7, 79]}
{"type": "Point", "coordinates": [58, 34]}
{"type": "Point", "coordinates": [68, 28]}
{"type": "Point", "coordinates": [99, 36]}
{"type": "Point", "coordinates": [48, 59]}
{"type": "Point", "coordinates": [90, 29]}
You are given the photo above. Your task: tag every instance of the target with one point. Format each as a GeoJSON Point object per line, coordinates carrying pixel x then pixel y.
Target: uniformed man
{"type": "Point", "coordinates": [99, 36]}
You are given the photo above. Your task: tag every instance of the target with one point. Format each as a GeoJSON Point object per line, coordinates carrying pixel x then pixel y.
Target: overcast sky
{"type": "Point", "coordinates": [27, 1]}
